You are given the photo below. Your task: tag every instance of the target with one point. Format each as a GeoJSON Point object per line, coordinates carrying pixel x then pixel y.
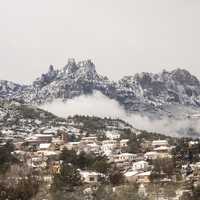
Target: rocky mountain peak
{"type": "Point", "coordinates": [84, 69]}
{"type": "Point", "coordinates": [87, 68]}
{"type": "Point", "coordinates": [46, 78]}
{"type": "Point", "coordinates": [184, 77]}
{"type": "Point", "coordinates": [51, 68]}
{"type": "Point", "coordinates": [144, 78]}
{"type": "Point", "coordinates": [145, 91]}
{"type": "Point", "coordinates": [87, 64]}
{"type": "Point", "coordinates": [71, 66]}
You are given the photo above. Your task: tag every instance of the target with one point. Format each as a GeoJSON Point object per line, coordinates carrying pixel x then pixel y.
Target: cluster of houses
{"type": "Point", "coordinates": [41, 151]}
{"type": "Point", "coordinates": [141, 170]}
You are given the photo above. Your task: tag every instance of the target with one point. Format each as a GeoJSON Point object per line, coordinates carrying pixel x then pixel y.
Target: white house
{"type": "Point", "coordinates": [159, 143]}
{"type": "Point", "coordinates": [124, 157]}
{"type": "Point", "coordinates": [197, 165]}
{"type": "Point", "coordinates": [191, 143]}
{"type": "Point", "coordinates": [91, 148]}
{"type": "Point", "coordinates": [44, 146]}
{"type": "Point", "coordinates": [162, 149]}
{"type": "Point", "coordinates": [90, 177]}
{"type": "Point", "coordinates": [109, 145]}
{"type": "Point", "coordinates": [39, 138]}
{"type": "Point", "coordinates": [36, 162]}
{"type": "Point", "coordinates": [134, 176]}
{"type": "Point", "coordinates": [112, 135]}
{"type": "Point", "coordinates": [124, 143]}
{"type": "Point", "coordinates": [140, 166]}
{"type": "Point", "coordinates": [151, 155]}
{"type": "Point", "coordinates": [88, 140]}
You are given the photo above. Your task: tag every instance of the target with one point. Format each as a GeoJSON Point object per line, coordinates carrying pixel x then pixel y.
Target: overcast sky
{"type": "Point", "coordinates": [121, 36]}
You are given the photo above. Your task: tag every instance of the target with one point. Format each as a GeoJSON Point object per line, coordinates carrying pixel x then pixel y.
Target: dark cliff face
{"type": "Point", "coordinates": [184, 77]}
{"type": "Point", "coordinates": [141, 92]}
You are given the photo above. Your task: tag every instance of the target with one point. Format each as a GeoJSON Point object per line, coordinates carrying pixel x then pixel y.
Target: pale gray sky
{"type": "Point", "coordinates": [121, 36]}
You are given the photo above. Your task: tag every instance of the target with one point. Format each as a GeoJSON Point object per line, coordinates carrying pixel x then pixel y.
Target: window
{"type": "Point", "coordinates": [91, 179]}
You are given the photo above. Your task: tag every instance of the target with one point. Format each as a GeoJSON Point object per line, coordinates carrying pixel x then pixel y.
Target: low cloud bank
{"type": "Point", "coordinates": [101, 106]}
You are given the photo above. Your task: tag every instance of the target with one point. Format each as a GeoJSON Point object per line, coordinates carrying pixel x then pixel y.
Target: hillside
{"type": "Point", "coordinates": [20, 120]}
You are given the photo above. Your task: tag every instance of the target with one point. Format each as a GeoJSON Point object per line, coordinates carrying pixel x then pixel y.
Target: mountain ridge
{"type": "Point", "coordinates": [142, 92]}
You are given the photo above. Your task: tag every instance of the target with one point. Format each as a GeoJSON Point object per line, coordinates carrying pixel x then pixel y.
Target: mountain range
{"type": "Point", "coordinates": [160, 94]}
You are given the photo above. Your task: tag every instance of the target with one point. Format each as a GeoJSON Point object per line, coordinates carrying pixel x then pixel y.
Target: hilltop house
{"type": "Point", "coordinates": [140, 166]}
{"type": "Point", "coordinates": [159, 143]}
{"type": "Point", "coordinates": [38, 139]}
{"type": "Point", "coordinates": [134, 176]}
{"type": "Point", "coordinates": [123, 157]}
{"type": "Point", "coordinates": [151, 155]}
{"type": "Point", "coordinates": [90, 177]}
{"type": "Point", "coordinates": [88, 140]}
{"type": "Point", "coordinates": [112, 135]}
{"type": "Point", "coordinates": [90, 148]}
{"type": "Point", "coordinates": [162, 149]}
{"type": "Point", "coordinates": [108, 146]}
{"type": "Point", "coordinates": [124, 143]}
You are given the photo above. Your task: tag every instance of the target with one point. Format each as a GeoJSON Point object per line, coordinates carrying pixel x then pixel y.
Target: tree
{"type": "Point", "coordinates": [133, 144]}
{"type": "Point", "coordinates": [187, 196]}
{"type": "Point", "coordinates": [6, 158]}
{"type": "Point", "coordinates": [68, 178]}
{"type": "Point", "coordinates": [104, 192]}
{"type": "Point", "coordinates": [68, 156]}
{"type": "Point", "coordinates": [19, 183]}
{"type": "Point", "coordinates": [162, 167]}
{"type": "Point", "coordinates": [116, 177]}
{"type": "Point", "coordinates": [129, 192]}
{"type": "Point", "coordinates": [85, 161]}
{"type": "Point", "coordinates": [101, 165]}
{"type": "Point", "coordinates": [66, 195]}
{"type": "Point", "coordinates": [196, 192]}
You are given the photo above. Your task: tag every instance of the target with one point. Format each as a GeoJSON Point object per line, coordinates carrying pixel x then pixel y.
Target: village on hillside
{"type": "Point", "coordinates": [115, 160]}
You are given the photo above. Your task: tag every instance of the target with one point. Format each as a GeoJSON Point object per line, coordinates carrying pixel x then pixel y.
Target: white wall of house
{"type": "Point", "coordinates": [140, 166]}
{"type": "Point", "coordinates": [112, 135]}
{"type": "Point", "coordinates": [89, 177]}
{"type": "Point", "coordinates": [159, 143]}
{"type": "Point", "coordinates": [124, 157]}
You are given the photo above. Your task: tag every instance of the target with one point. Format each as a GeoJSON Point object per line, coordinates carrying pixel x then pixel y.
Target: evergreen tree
{"type": "Point", "coordinates": [68, 178]}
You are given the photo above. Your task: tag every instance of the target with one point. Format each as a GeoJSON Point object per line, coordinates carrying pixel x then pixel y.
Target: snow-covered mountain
{"type": "Point", "coordinates": [144, 92]}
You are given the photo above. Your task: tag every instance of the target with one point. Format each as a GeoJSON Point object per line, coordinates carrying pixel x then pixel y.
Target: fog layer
{"type": "Point", "coordinates": [101, 106]}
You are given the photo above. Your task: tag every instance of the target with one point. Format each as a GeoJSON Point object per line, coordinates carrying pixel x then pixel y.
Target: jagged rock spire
{"type": "Point", "coordinates": [71, 66]}
{"type": "Point", "coordinates": [51, 68]}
